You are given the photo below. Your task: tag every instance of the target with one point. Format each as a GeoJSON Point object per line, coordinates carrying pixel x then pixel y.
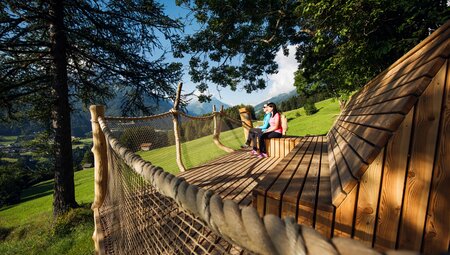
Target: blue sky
{"type": "Point", "coordinates": [279, 83]}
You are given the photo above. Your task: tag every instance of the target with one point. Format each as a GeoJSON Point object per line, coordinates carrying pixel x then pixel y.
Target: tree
{"type": "Point", "coordinates": [54, 53]}
{"type": "Point", "coordinates": [340, 45]}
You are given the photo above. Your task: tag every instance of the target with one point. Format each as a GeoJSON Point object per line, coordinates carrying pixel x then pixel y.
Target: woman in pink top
{"type": "Point", "coordinates": [274, 131]}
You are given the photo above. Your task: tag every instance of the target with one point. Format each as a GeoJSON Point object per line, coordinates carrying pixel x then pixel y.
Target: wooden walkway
{"type": "Point", "coordinates": [382, 173]}
{"type": "Point", "coordinates": [233, 176]}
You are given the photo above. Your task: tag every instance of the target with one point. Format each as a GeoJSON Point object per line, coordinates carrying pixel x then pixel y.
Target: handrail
{"type": "Point", "coordinates": [242, 226]}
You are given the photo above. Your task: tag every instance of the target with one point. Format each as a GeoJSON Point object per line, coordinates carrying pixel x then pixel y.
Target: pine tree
{"type": "Point", "coordinates": [54, 53]}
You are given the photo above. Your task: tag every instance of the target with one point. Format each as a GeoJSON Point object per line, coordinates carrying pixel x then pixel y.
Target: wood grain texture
{"type": "Point", "coordinates": [418, 182]}
{"type": "Point", "coordinates": [298, 180]}
{"type": "Point", "coordinates": [272, 176]}
{"type": "Point", "coordinates": [337, 192]}
{"type": "Point", "coordinates": [397, 105]}
{"type": "Point", "coordinates": [354, 162]}
{"type": "Point", "coordinates": [428, 69]}
{"type": "Point", "coordinates": [391, 196]}
{"type": "Point", "coordinates": [310, 193]}
{"type": "Point", "coordinates": [437, 229]}
{"type": "Point", "coordinates": [366, 151]}
{"type": "Point", "coordinates": [389, 122]}
{"type": "Point", "coordinates": [376, 137]}
{"type": "Point", "coordinates": [277, 189]}
{"type": "Point", "coordinates": [324, 208]}
{"type": "Point", "coordinates": [343, 222]}
{"type": "Point", "coordinates": [437, 47]}
{"type": "Point", "coordinates": [412, 88]}
{"type": "Point", "coordinates": [368, 201]}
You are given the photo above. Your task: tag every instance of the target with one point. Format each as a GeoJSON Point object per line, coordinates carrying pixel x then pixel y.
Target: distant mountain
{"type": "Point", "coordinates": [196, 108]}
{"type": "Point", "coordinates": [277, 99]}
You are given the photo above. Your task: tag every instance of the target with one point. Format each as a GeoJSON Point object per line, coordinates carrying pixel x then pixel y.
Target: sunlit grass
{"type": "Point", "coordinates": [27, 227]}
{"type": "Point", "coordinates": [194, 152]}
{"type": "Point", "coordinates": [300, 124]}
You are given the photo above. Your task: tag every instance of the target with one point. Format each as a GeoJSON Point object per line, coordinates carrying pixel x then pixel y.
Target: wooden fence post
{"type": "Point", "coordinates": [99, 150]}
{"type": "Point", "coordinates": [100, 155]}
{"type": "Point", "coordinates": [217, 128]}
{"type": "Point", "coordinates": [176, 128]}
{"type": "Point", "coordinates": [246, 118]}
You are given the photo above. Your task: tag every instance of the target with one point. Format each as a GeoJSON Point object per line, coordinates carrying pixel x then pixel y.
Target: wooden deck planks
{"type": "Point", "coordinates": [428, 69]}
{"type": "Point", "coordinates": [241, 172]}
{"type": "Point", "coordinates": [265, 184]}
{"type": "Point", "coordinates": [437, 228]}
{"type": "Point", "coordinates": [374, 136]}
{"type": "Point", "coordinates": [213, 166]}
{"type": "Point", "coordinates": [389, 122]}
{"type": "Point", "coordinates": [295, 186]}
{"type": "Point", "coordinates": [391, 195]}
{"type": "Point", "coordinates": [400, 105]}
{"type": "Point", "coordinates": [324, 208]}
{"type": "Point", "coordinates": [412, 88]}
{"type": "Point", "coordinates": [432, 47]}
{"type": "Point", "coordinates": [418, 182]}
{"type": "Point", "coordinates": [366, 151]}
{"type": "Point", "coordinates": [242, 192]}
{"type": "Point", "coordinates": [277, 187]}
{"type": "Point", "coordinates": [368, 201]}
{"type": "Point", "coordinates": [200, 173]}
{"type": "Point", "coordinates": [344, 171]}
{"type": "Point", "coordinates": [308, 196]}
{"type": "Point", "coordinates": [337, 192]}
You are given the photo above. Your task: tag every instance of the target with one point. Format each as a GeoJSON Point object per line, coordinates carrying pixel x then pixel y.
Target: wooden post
{"type": "Point", "coordinates": [176, 129]}
{"type": "Point", "coordinates": [99, 150]}
{"type": "Point", "coordinates": [100, 156]}
{"type": "Point", "coordinates": [246, 118]}
{"type": "Point", "coordinates": [217, 128]}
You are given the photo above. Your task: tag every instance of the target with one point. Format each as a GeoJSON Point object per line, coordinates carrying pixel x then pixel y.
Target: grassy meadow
{"type": "Point", "coordinates": [28, 227]}
{"type": "Point", "coordinates": [300, 124]}
{"type": "Point", "coordinates": [194, 152]}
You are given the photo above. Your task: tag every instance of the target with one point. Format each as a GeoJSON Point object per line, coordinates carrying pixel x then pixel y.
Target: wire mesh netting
{"type": "Point", "coordinates": [136, 219]}
{"type": "Point", "coordinates": [153, 138]}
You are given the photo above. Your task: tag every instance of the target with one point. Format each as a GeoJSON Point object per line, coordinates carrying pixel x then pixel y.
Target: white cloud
{"type": "Point", "coordinates": [283, 81]}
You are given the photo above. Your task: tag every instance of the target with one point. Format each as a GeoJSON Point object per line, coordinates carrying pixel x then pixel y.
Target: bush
{"type": "Point", "coordinates": [65, 224]}
{"type": "Point", "coordinates": [88, 157]}
{"type": "Point", "coordinates": [11, 184]}
{"type": "Point", "coordinates": [310, 107]}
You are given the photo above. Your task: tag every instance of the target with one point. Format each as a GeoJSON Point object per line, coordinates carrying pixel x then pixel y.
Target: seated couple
{"type": "Point", "coordinates": [271, 128]}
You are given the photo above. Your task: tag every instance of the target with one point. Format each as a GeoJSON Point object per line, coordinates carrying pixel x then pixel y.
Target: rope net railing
{"type": "Point", "coordinates": [137, 219]}
{"type": "Point", "coordinates": [153, 137]}
{"type": "Point", "coordinates": [146, 210]}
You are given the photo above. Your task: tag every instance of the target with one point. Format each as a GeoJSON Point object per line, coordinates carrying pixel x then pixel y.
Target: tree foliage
{"type": "Point", "coordinates": [340, 45]}
{"type": "Point", "coordinates": [54, 53]}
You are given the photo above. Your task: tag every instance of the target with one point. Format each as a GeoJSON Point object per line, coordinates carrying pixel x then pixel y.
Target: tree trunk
{"type": "Point", "coordinates": [342, 104]}
{"type": "Point", "coordinates": [64, 190]}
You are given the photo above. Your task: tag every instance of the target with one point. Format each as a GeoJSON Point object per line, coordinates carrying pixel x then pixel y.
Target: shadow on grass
{"type": "Point", "coordinates": [4, 233]}
{"type": "Point", "coordinates": [34, 192]}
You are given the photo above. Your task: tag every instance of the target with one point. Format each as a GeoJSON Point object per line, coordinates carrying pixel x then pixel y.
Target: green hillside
{"type": "Point", "coordinates": [26, 228]}
{"type": "Point", "coordinates": [195, 152]}
{"type": "Point", "coordinates": [299, 124]}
